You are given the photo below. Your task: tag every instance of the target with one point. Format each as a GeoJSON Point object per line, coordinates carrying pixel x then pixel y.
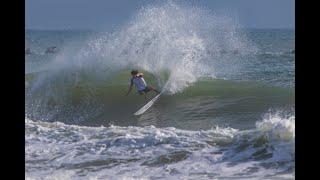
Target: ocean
{"type": "Point", "coordinates": [227, 112]}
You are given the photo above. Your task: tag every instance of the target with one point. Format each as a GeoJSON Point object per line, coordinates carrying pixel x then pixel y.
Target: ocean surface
{"type": "Point", "coordinates": [227, 111]}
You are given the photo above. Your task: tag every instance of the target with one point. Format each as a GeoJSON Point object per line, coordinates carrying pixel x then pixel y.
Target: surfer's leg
{"type": "Point", "coordinates": [143, 93]}
{"type": "Point", "coordinates": [153, 89]}
{"type": "Point", "coordinates": [145, 96]}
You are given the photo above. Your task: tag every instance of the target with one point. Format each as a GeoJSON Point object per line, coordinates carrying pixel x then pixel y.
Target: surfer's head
{"type": "Point", "coordinates": [134, 72]}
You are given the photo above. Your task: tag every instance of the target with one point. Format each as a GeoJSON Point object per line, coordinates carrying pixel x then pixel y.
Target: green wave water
{"type": "Point", "coordinates": [200, 106]}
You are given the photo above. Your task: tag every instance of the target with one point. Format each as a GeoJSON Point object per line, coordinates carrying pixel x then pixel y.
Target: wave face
{"type": "Point", "coordinates": [205, 104]}
{"type": "Point", "coordinates": [57, 150]}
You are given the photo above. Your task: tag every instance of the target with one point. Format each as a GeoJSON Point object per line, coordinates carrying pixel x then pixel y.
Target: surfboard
{"type": "Point", "coordinates": [148, 105]}
{"type": "Point", "coordinates": [151, 102]}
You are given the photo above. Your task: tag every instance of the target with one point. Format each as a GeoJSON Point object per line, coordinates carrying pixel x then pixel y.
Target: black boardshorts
{"type": "Point", "coordinates": [145, 90]}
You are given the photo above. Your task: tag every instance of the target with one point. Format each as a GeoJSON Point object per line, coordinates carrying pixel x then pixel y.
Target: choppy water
{"type": "Point", "coordinates": [227, 112]}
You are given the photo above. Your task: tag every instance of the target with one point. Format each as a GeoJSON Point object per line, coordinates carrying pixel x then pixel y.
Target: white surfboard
{"type": "Point", "coordinates": [150, 103]}
{"type": "Point", "coordinates": [147, 106]}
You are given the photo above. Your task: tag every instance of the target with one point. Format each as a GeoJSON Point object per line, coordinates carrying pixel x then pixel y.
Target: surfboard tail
{"type": "Point", "coordinates": [147, 106]}
{"type": "Point", "coordinates": [151, 102]}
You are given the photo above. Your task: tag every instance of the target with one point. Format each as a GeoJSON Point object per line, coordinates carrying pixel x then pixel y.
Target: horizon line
{"type": "Point", "coordinates": [87, 29]}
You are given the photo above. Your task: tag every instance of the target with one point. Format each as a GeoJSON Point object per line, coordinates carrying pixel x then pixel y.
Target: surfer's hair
{"type": "Point", "coordinates": [134, 72]}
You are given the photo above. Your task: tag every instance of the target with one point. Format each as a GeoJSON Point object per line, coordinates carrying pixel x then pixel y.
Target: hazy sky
{"type": "Point", "coordinates": [106, 14]}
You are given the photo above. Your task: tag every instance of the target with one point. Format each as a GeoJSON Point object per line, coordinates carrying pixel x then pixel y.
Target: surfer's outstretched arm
{"type": "Point", "coordinates": [130, 88]}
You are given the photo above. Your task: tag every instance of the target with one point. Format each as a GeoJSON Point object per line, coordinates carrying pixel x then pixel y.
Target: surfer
{"type": "Point", "coordinates": [138, 80]}
{"type": "Point", "coordinates": [52, 49]}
